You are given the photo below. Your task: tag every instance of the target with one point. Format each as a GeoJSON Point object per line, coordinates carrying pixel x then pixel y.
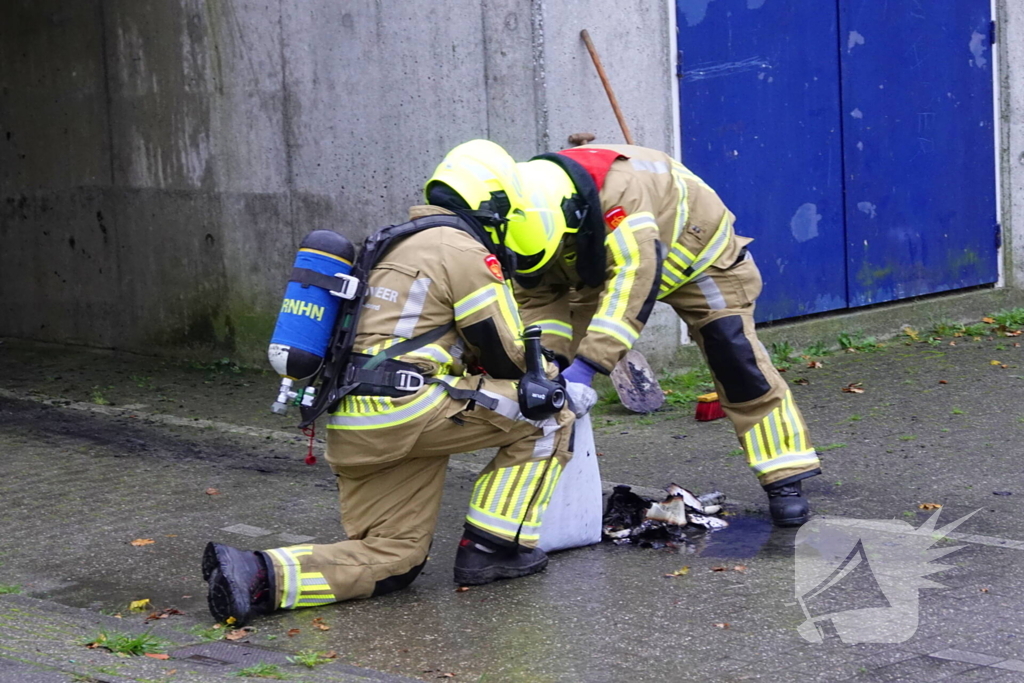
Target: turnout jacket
{"type": "Point", "coordinates": [663, 227]}
{"type": "Point", "coordinates": [424, 282]}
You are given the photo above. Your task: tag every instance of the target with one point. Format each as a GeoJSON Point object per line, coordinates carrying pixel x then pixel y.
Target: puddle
{"type": "Point", "coordinates": [747, 537]}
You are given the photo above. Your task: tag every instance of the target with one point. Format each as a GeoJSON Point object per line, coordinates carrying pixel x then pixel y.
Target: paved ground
{"type": "Point", "coordinates": [130, 446]}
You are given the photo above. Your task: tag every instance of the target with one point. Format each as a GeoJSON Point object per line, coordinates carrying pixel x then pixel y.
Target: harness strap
{"type": "Point", "coordinates": [408, 345]}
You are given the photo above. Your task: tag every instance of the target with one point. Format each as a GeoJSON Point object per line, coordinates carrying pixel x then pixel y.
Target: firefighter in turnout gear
{"type": "Point", "coordinates": [610, 230]}
{"type": "Point", "coordinates": [389, 448]}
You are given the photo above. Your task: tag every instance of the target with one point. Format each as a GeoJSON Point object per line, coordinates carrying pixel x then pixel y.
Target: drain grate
{"type": "Point", "coordinates": [219, 653]}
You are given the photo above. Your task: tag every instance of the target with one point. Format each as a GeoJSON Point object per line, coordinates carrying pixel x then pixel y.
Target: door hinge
{"type": "Point", "coordinates": [999, 235]}
{"type": "Point", "coordinates": [992, 32]}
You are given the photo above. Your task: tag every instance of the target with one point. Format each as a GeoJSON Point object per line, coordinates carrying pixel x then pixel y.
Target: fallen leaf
{"type": "Point", "coordinates": [929, 506]}
{"type": "Point", "coordinates": [990, 321]}
{"type": "Point", "coordinates": [140, 605]}
{"type": "Point", "coordinates": [163, 614]}
{"type": "Point", "coordinates": [143, 541]}
{"type": "Point", "coordinates": [815, 364]}
{"type": "Point", "coordinates": [719, 569]}
{"type": "Point", "coordinates": [912, 333]}
{"type": "Point", "coordinates": [1004, 366]}
{"type": "Point", "coordinates": [1016, 345]}
{"type": "Point", "coordinates": [462, 589]}
{"type": "Point", "coordinates": [447, 675]}
{"type": "Point", "coordinates": [330, 654]}
{"type": "Point", "coordinates": [292, 632]}
{"type": "Point", "coordinates": [853, 388]}
{"type": "Point", "coordinates": [721, 624]}
{"type": "Point", "coordinates": [682, 571]}
{"type": "Point", "coordinates": [230, 620]}
{"type": "Point", "coordinates": [218, 626]}
{"type": "Point", "coordinates": [185, 597]}
{"type": "Point", "coordinates": [1014, 333]}
{"type": "Point", "coordinates": [801, 381]}
{"type": "Point", "coordinates": [237, 634]}
{"type": "Point", "coordinates": [782, 369]}
{"type": "Point", "coordinates": [171, 535]}
{"type": "Point", "coordinates": [740, 568]}
{"type": "Point", "coordinates": [994, 362]}
{"type": "Point", "coordinates": [212, 492]}
{"type": "Point", "coordinates": [952, 343]}
{"type": "Point", "coordinates": [942, 381]}
{"type": "Point", "coordinates": [984, 590]}
{"type": "Point", "coordinates": [157, 655]}
{"type": "Point", "coordinates": [319, 623]}
{"type": "Point", "coordinates": [171, 672]}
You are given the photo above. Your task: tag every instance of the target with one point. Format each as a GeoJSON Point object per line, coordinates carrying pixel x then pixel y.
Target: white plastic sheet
{"type": "Point", "coordinates": [573, 519]}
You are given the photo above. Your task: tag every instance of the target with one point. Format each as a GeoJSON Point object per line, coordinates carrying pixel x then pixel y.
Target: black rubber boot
{"type": "Point", "coordinates": [787, 504]}
{"type": "Point", "coordinates": [479, 562]}
{"type": "Point", "coordinates": [240, 583]}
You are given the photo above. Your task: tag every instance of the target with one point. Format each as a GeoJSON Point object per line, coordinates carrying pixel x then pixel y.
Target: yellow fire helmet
{"type": "Point", "coordinates": [536, 234]}
{"type": "Point", "coordinates": [485, 176]}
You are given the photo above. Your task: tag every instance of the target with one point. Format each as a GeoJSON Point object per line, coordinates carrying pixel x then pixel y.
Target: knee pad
{"type": "Point", "coordinates": [732, 360]}
{"type": "Point", "coordinates": [395, 583]}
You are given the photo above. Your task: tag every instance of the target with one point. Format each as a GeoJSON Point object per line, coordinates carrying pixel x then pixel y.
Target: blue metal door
{"type": "Point", "coordinates": [919, 147]}
{"type": "Point", "coordinates": [759, 96]}
{"type": "Point", "coordinates": [853, 139]}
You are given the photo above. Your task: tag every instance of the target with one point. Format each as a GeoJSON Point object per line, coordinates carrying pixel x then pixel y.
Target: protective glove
{"type": "Point", "coordinates": [580, 372]}
{"type": "Point", "coordinates": [581, 398]}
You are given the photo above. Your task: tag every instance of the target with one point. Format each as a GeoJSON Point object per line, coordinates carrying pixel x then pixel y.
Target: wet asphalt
{"type": "Point", "coordinates": [77, 487]}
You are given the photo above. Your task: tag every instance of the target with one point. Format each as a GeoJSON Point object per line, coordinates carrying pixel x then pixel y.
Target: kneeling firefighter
{"type": "Point", "coordinates": [438, 308]}
{"type": "Point", "coordinates": [608, 230]}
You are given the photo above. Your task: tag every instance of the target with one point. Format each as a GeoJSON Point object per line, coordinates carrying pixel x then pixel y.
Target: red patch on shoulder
{"type": "Point", "coordinates": [494, 266]}
{"type": "Point", "coordinates": [615, 215]}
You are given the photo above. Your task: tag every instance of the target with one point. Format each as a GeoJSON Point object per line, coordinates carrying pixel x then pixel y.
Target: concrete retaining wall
{"type": "Point", "coordinates": [161, 159]}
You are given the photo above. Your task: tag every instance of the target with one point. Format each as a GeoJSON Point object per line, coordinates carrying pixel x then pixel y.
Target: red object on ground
{"type": "Point", "coordinates": [709, 408]}
{"type": "Point", "coordinates": [310, 431]}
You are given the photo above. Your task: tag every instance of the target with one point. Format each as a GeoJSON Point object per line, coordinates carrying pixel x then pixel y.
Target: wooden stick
{"type": "Point", "coordinates": [607, 86]}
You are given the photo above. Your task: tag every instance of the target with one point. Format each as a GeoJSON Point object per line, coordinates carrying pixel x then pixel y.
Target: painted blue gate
{"type": "Point", "coordinates": [853, 140]}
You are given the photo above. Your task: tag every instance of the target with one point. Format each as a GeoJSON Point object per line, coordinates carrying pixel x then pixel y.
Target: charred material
{"type": "Point", "coordinates": [671, 522]}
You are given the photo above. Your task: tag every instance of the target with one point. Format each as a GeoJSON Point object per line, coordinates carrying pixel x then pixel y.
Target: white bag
{"type": "Point", "coordinates": [573, 519]}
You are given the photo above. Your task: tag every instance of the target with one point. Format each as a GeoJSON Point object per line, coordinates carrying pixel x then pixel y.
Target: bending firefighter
{"type": "Point", "coordinates": [610, 230]}
{"type": "Point", "coordinates": [389, 446]}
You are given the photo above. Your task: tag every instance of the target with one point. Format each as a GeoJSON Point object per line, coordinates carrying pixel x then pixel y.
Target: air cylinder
{"type": "Point", "coordinates": [308, 312]}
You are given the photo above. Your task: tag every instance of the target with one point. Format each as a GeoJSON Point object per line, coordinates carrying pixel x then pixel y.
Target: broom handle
{"type": "Point", "coordinates": [607, 86]}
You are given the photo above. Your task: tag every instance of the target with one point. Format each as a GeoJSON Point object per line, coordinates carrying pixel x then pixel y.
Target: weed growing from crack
{"type": "Point", "coordinates": [309, 658]}
{"type": "Point", "coordinates": [262, 670]}
{"type": "Point", "coordinates": [128, 644]}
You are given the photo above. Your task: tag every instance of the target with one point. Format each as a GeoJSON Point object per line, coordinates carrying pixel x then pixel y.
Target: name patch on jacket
{"type": "Point", "coordinates": [614, 216]}
{"type": "Point", "coordinates": [494, 266]}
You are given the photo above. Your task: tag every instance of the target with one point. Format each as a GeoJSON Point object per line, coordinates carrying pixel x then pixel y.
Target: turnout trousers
{"type": "Point", "coordinates": [718, 308]}
{"type": "Point", "coordinates": [389, 508]}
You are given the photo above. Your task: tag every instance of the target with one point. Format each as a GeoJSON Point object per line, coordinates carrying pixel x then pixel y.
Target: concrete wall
{"type": "Point", "coordinates": [161, 159]}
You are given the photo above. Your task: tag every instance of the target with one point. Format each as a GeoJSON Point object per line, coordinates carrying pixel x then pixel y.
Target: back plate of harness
{"type": "Point", "coordinates": [344, 372]}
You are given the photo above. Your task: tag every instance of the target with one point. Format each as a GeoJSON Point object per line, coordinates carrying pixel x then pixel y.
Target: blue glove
{"type": "Point", "coordinates": [580, 372]}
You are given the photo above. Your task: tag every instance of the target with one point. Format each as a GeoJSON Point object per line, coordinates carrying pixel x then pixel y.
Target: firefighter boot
{"type": "Point", "coordinates": [240, 584]}
{"type": "Point", "coordinates": [787, 504]}
{"type": "Point", "coordinates": [478, 561]}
